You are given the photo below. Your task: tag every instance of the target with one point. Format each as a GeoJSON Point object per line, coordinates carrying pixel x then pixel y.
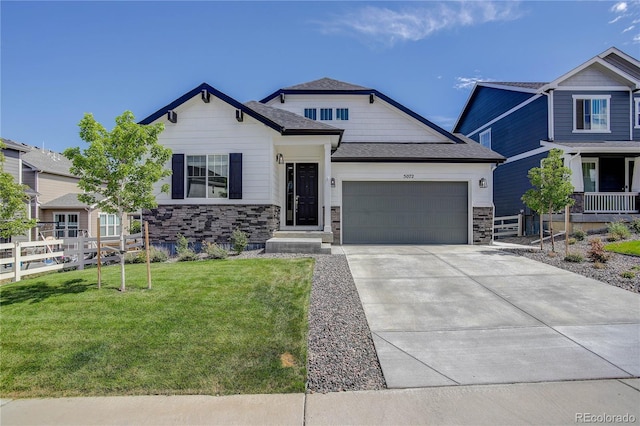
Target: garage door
{"type": "Point", "coordinates": [404, 212]}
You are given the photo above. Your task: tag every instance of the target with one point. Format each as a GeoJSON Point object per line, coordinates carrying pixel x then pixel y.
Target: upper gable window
{"type": "Point", "coordinates": [310, 113]}
{"type": "Point", "coordinates": [485, 138]}
{"type": "Point", "coordinates": [342, 113]}
{"type": "Point", "coordinates": [591, 113]}
{"type": "Point", "coordinates": [326, 114]}
{"type": "Point", "coordinates": [637, 115]}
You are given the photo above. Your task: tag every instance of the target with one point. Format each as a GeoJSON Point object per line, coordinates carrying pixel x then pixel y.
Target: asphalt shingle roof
{"type": "Point", "coordinates": [289, 120]}
{"type": "Point", "coordinates": [67, 201]}
{"type": "Point", "coordinates": [328, 84]}
{"type": "Point", "coordinates": [519, 84]}
{"type": "Point", "coordinates": [623, 65]}
{"type": "Point", "coordinates": [470, 151]}
{"type": "Point", "coordinates": [48, 161]}
{"type": "Point", "coordinates": [15, 145]}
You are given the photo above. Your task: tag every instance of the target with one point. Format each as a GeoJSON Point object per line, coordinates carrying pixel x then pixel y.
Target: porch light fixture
{"type": "Point", "coordinates": [279, 158]}
{"type": "Point", "coordinates": [333, 182]}
{"type": "Point", "coordinates": [483, 183]}
{"type": "Point", "coordinates": [172, 116]}
{"type": "Point", "coordinates": [239, 115]}
{"type": "Point", "coordinates": [206, 96]}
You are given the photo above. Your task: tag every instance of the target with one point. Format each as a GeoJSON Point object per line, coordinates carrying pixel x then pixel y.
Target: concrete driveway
{"type": "Point", "coordinates": [449, 315]}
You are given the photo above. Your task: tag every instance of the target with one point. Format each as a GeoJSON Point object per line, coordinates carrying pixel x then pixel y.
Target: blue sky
{"type": "Point", "coordinates": [62, 59]}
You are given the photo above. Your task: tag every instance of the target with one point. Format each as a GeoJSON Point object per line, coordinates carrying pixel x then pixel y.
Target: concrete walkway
{"type": "Point", "coordinates": [467, 315]}
{"type": "Point", "coordinates": [533, 403]}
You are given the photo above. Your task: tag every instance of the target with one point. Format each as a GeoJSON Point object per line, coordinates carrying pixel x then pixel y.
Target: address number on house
{"type": "Point", "coordinates": [409, 176]}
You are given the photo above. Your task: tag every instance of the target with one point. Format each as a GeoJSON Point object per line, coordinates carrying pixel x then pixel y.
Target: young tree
{"type": "Point", "coordinates": [551, 190]}
{"type": "Point", "coordinates": [120, 166]}
{"type": "Point", "coordinates": [14, 217]}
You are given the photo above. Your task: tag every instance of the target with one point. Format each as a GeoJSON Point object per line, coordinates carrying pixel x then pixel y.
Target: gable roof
{"type": "Point", "coordinates": [16, 146]}
{"type": "Point", "coordinates": [47, 161]}
{"type": "Point", "coordinates": [284, 122]}
{"type": "Point", "coordinates": [328, 86]}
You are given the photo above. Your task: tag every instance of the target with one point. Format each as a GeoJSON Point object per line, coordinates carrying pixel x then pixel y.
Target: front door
{"type": "Point", "coordinates": [628, 175]}
{"type": "Point", "coordinates": [302, 194]}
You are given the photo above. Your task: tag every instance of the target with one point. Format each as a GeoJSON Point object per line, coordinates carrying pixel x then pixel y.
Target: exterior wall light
{"type": "Point", "coordinates": [279, 158]}
{"type": "Point", "coordinates": [483, 183]}
{"type": "Point", "coordinates": [333, 182]}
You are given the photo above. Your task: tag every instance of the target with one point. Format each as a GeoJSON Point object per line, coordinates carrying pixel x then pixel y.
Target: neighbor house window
{"type": "Point", "coordinates": [591, 113]}
{"type": "Point", "coordinates": [66, 225]}
{"type": "Point", "coordinates": [637, 115]}
{"type": "Point", "coordinates": [590, 174]}
{"type": "Point", "coordinates": [207, 176]}
{"type": "Point", "coordinates": [109, 225]}
{"type": "Point", "coordinates": [485, 138]}
{"type": "Point", "coordinates": [342, 113]}
{"type": "Point", "coordinates": [310, 113]}
{"type": "Point", "coordinates": [326, 114]}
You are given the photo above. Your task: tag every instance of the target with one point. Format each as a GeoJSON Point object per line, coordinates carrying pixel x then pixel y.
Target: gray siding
{"type": "Point", "coordinates": [563, 117]}
{"type": "Point", "coordinates": [510, 182]}
{"type": "Point", "coordinates": [12, 163]}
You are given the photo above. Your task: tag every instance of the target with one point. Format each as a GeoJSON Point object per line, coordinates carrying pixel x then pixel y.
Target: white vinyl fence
{"type": "Point", "coordinates": [507, 226]}
{"type": "Point", "coordinates": [21, 259]}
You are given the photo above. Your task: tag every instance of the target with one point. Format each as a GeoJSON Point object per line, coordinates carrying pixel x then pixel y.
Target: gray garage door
{"type": "Point", "coordinates": [404, 212]}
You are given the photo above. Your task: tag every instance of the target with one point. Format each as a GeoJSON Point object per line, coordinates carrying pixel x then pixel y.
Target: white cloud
{"type": "Point", "coordinates": [468, 82]}
{"type": "Point", "coordinates": [619, 7]}
{"type": "Point", "coordinates": [636, 39]}
{"type": "Point", "coordinates": [387, 26]}
{"type": "Point", "coordinates": [616, 19]}
{"type": "Point", "coordinates": [628, 28]}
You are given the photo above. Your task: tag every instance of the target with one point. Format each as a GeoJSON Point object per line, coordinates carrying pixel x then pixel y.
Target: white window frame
{"type": "Point", "coordinates": [65, 230]}
{"type": "Point", "coordinates": [341, 113]}
{"type": "Point", "coordinates": [315, 113]}
{"type": "Point", "coordinates": [484, 135]}
{"type": "Point", "coordinates": [206, 176]}
{"type": "Point", "coordinates": [112, 230]}
{"type": "Point", "coordinates": [592, 98]}
{"type": "Point", "coordinates": [637, 113]}
{"type": "Point", "coordinates": [595, 161]}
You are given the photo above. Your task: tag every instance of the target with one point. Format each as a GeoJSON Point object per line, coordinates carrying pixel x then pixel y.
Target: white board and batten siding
{"type": "Point", "coordinates": [368, 122]}
{"type": "Point", "coordinates": [212, 128]}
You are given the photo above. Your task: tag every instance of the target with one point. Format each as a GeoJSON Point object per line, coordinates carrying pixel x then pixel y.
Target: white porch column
{"type": "Point", "coordinates": [327, 187]}
{"type": "Point", "coordinates": [635, 184]}
{"type": "Point", "coordinates": [574, 162]}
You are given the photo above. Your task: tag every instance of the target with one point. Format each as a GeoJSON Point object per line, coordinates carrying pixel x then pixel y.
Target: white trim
{"type": "Point", "coordinates": [636, 114]}
{"type": "Point", "coordinates": [587, 147]}
{"type": "Point", "coordinates": [206, 177]}
{"type": "Point", "coordinates": [593, 88]}
{"type": "Point", "coordinates": [66, 223]}
{"type": "Point", "coordinates": [551, 127]}
{"type": "Point", "coordinates": [484, 134]}
{"type": "Point", "coordinates": [595, 60]}
{"type": "Point", "coordinates": [528, 154]}
{"type": "Point", "coordinates": [501, 116]}
{"type": "Point", "coordinates": [620, 53]}
{"type": "Point", "coordinates": [592, 98]}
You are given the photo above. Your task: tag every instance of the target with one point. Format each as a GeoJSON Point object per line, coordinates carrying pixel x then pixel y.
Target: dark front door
{"type": "Point", "coordinates": [307, 193]}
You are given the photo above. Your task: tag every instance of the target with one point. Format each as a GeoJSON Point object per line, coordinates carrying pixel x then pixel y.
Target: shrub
{"type": "Point", "coordinates": [599, 265]}
{"type": "Point", "coordinates": [185, 254]}
{"type": "Point", "coordinates": [635, 225]}
{"type": "Point", "coordinates": [574, 258]}
{"type": "Point", "coordinates": [214, 251]}
{"type": "Point", "coordinates": [135, 228]}
{"type": "Point", "coordinates": [628, 274]}
{"type": "Point", "coordinates": [571, 241]}
{"type": "Point", "coordinates": [579, 234]}
{"type": "Point", "coordinates": [239, 240]}
{"type": "Point", "coordinates": [596, 252]}
{"type": "Point", "coordinates": [618, 231]}
{"type": "Point", "coordinates": [156, 255]}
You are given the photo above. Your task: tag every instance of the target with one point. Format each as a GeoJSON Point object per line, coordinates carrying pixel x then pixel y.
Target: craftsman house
{"type": "Point", "coordinates": [333, 161]}
{"type": "Point", "coordinates": [592, 113]}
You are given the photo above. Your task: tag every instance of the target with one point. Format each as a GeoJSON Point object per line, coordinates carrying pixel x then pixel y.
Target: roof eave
{"type": "Point", "coordinates": [415, 160]}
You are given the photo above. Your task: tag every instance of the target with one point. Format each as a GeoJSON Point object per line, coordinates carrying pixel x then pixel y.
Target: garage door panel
{"type": "Point", "coordinates": [405, 212]}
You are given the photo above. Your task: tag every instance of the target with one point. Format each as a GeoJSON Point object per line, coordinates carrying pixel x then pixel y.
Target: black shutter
{"type": "Point", "coordinates": [235, 176]}
{"type": "Point", "coordinates": [177, 178]}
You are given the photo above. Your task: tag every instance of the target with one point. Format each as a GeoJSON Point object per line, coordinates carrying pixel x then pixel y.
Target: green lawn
{"type": "Point", "coordinates": [208, 327]}
{"type": "Point", "coordinates": [625, 247]}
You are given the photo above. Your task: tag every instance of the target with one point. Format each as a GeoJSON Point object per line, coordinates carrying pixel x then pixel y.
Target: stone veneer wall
{"type": "Point", "coordinates": [482, 225]}
{"type": "Point", "coordinates": [578, 207]}
{"type": "Point", "coordinates": [335, 224]}
{"type": "Point", "coordinates": [212, 222]}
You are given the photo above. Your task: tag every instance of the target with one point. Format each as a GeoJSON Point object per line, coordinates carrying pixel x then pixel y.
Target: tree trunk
{"type": "Point", "coordinates": [553, 245]}
{"type": "Point", "coordinates": [541, 228]}
{"type": "Point", "coordinates": [122, 252]}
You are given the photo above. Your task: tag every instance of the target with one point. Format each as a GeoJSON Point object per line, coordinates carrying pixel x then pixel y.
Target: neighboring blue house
{"type": "Point", "coordinates": [592, 113]}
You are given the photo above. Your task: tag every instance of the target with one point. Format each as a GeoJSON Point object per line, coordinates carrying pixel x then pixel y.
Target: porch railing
{"type": "Point", "coordinates": [610, 202]}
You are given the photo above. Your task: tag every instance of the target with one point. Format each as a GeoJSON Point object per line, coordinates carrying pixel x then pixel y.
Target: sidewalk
{"type": "Point", "coordinates": [595, 401]}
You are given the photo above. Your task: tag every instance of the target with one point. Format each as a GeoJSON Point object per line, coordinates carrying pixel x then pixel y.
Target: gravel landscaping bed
{"type": "Point", "coordinates": [341, 355]}
{"type": "Point", "coordinates": [610, 272]}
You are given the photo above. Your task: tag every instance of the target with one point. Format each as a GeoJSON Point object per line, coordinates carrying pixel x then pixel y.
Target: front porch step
{"type": "Point", "coordinates": [327, 237]}
{"type": "Point", "coordinates": [297, 245]}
